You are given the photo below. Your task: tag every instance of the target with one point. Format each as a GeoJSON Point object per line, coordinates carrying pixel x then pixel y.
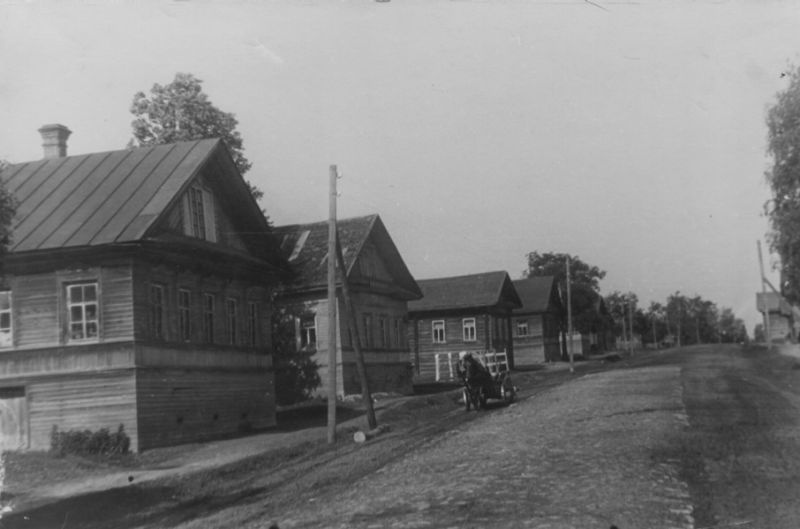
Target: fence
{"type": "Point", "coordinates": [495, 362]}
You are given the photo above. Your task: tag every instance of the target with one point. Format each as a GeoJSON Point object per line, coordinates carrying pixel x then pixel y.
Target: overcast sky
{"type": "Point", "coordinates": [630, 134]}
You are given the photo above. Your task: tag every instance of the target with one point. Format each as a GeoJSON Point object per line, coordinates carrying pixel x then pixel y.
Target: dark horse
{"type": "Point", "coordinates": [477, 381]}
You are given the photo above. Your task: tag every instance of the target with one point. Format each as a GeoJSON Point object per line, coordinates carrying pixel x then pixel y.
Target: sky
{"type": "Point", "coordinates": [629, 134]}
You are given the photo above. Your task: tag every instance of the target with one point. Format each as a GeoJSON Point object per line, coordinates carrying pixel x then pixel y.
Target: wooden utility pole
{"type": "Point", "coordinates": [655, 346]}
{"type": "Point", "coordinates": [569, 319]}
{"type": "Point", "coordinates": [350, 315]}
{"type": "Point", "coordinates": [767, 334]}
{"type": "Point", "coordinates": [332, 306]}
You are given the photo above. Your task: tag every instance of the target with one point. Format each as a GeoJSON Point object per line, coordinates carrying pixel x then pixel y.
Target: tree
{"type": "Point", "coordinates": [181, 111]}
{"type": "Point", "coordinates": [619, 306]}
{"type": "Point", "coordinates": [783, 210]}
{"type": "Point", "coordinates": [731, 328]}
{"type": "Point", "coordinates": [585, 279]}
{"type": "Point", "coordinates": [296, 372]}
{"type": "Point", "coordinates": [8, 208]}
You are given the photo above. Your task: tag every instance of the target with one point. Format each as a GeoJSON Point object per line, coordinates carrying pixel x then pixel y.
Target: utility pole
{"type": "Point", "coordinates": [569, 319]}
{"type": "Point", "coordinates": [767, 334]}
{"type": "Point", "coordinates": [332, 306]}
{"type": "Point", "coordinates": [350, 314]}
{"type": "Point", "coordinates": [655, 346]}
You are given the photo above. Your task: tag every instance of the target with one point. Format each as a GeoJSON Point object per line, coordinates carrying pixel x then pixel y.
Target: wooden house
{"type": "Point", "coordinates": [537, 325]}
{"type": "Point", "coordinates": [781, 316]}
{"type": "Point", "coordinates": [137, 293]}
{"type": "Point", "coordinates": [463, 313]}
{"type": "Point", "coordinates": [380, 286]}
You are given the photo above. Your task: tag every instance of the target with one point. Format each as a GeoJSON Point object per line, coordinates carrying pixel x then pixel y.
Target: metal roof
{"type": "Point", "coordinates": [305, 246]}
{"type": "Point", "coordinates": [99, 198]}
{"type": "Point", "coordinates": [536, 293]}
{"type": "Point", "coordinates": [487, 289]}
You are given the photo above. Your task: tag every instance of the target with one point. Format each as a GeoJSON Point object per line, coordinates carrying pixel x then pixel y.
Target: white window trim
{"type": "Point", "coordinates": [443, 329]}
{"type": "Point", "coordinates": [469, 324]}
{"type": "Point", "coordinates": [305, 325]}
{"type": "Point", "coordinates": [209, 214]}
{"type": "Point", "coordinates": [232, 320]}
{"type": "Point", "coordinates": [520, 325]}
{"type": "Point", "coordinates": [187, 309]}
{"type": "Point", "coordinates": [83, 304]}
{"type": "Point", "coordinates": [8, 340]}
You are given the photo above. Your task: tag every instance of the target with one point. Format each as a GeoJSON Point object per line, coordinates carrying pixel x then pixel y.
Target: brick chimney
{"type": "Point", "coordinates": [54, 140]}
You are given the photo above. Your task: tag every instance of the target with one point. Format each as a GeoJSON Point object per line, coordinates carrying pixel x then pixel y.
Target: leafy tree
{"type": "Point", "coordinates": [587, 305]}
{"type": "Point", "coordinates": [758, 333]}
{"type": "Point", "coordinates": [731, 328]}
{"type": "Point", "coordinates": [8, 208]}
{"type": "Point", "coordinates": [181, 111]}
{"type": "Point", "coordinates": [619, 304]}
{"type": "Point", "coordinates": [657, 323]}
{"type": "Point", "coordinates": [296, 372]}
{"type": "Point", "coordinates": [783, 210]}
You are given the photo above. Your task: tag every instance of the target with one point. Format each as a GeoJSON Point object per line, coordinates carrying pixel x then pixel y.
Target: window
{"type": "Point", "coordinates": [308, 332]}
{"type": "Point", "coordinates": [199, 220]}
{"type": "Point", "coordinates": [185, 315]}
{"type": "Point", "coordinates": [157, 311]}
{"type": "Point", "coordinates": [368, 339]}
{"type": "Point", "coordinates": [6, 335]}
{"type": "Point", "coordinates": [438, 331]}
{"type": "Point", "coordinates": [469, 329]}
{"type": "Point", "coordinates": [252, 323]}
{"type": "Point", "coordinates": [208, 317]}
{"type": "Point", "coordinates": [522, 327]}
{"type": "Point", "coordinates": [383, 332]}
{"type": "Point", "coordinates": [231, 319]}
{"type": "Point", "coordinates": [82, 313]}
{"type": "Point", "coordinates": [398, 337]}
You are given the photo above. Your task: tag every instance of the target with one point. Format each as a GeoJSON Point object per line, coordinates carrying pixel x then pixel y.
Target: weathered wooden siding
{"type": "Point", "coordinates": [35, 310]}
{"type": "Point", "coordinates": [82, 401]}
{"type": "Point", "coordinates": [492, 333]}
{"type": "Point", "coordinates": [542, 342]}
{"type": "Point", "coordinates": [184, 405]}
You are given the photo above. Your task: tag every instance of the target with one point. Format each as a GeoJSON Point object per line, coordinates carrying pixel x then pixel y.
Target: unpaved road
{"type": "Point", "coordinates": [694, 438]}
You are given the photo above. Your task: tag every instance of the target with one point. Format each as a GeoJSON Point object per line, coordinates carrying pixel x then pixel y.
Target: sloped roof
{"type": "Point", "coordinates": [535, 293]}
{"type": "Point", "coordinates": [475, 290]}
{"type": "Point", "coordinates": [100, 198]}
{"type": "Point", "coordinates": [305, 246]}
{"type": "Point", "coordinates": [774, 303]}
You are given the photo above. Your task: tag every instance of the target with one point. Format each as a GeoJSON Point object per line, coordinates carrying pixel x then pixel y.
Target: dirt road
{"type": "Point", "coordinates": [702, 437]}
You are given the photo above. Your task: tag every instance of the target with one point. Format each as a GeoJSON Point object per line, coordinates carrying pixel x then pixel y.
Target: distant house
{"type": "Point", "coordinates": [537, 325]}
{"type": "Point", "coordinates": [137, 293]}
{"type": "Point", "coordinates": [781, 316]}
{"type": "Point", "coordinates": [381, 287]}
{"type": "Point", "coordinates": [464, 313]}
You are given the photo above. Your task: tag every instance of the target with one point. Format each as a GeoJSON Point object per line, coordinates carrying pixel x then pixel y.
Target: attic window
{"type": "Point", "coordinates": [198, 214]}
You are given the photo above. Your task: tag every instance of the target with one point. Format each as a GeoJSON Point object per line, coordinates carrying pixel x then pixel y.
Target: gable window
{"type": "Point", "coordinates": [522, 327]}
{"type": "Point", "coordinates": [199, 220]}
{"type": "Point", "coordinates": [438, 331]}
{"type": "Point", "coordinates": [157, 311]}
{"type": "Point", "coordinates": [6, 334]}
{"type": "Point", "coordinates": [184, 315]}
{"type": "Point", "coordinates": [468, 325]}
{"type": "Point", "coordinates": [231, 320]}
{"type": "Point", "coordinates": [208, 317]}
{"type": "Point", "coordinates": [308, 332]}
{"type": "Point", "coordinates": [252, 322]}
{"type": "Point", "coordinates": [82, 313]}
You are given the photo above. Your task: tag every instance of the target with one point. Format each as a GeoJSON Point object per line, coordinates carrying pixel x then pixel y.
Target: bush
{"type": "Point", "coordinates": [86, 442]}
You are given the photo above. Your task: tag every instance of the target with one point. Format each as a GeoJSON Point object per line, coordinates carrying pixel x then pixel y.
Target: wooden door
{"type": "Point", "coordinates": [13, 419]}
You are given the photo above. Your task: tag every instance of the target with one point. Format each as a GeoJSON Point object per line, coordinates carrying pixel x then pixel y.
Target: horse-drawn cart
{"type": "Point", "coordinates": [481, 384]}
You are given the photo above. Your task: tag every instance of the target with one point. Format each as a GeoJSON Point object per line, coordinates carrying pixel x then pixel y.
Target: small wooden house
{"type": "Point", "coordinates": [537, 325]}
{"type": "Point", "coordinates": [463, 313]}
{"type": "Point", "coordinates": [380, 286]}
{"type": "Point", "coordinates": [136, 293]}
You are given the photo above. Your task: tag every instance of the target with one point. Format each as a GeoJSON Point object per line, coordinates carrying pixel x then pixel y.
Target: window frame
{"type": "Point", "coordinates": [308, 330]}
{"type": "Point", "coordinates": [9, 312]}
{"type": "Point", "coordinates": [469, 329]}
{"type": "Point", "coordinates": [232, 320]}
{"type": "Point", "coordinates": [184, 315]}
{"type": "Point", "coordinates": [82, 305]}
{"type": "Point", "coordinates": [369, 341]}
{"type": "Point", "coordinates": [520, 325]}
{"type": "Point", "coordinates": [209, 310]}
{"type": "Point", "coordinates": [252, 323]}
{"type": "Point", "coordinates": [438, 331]}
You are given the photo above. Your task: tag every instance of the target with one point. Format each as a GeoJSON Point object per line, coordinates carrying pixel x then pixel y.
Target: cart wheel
{"type": "Point", "coordinates": [467, 399]}
{"type": "Point", "coordinates": [508, 393]}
